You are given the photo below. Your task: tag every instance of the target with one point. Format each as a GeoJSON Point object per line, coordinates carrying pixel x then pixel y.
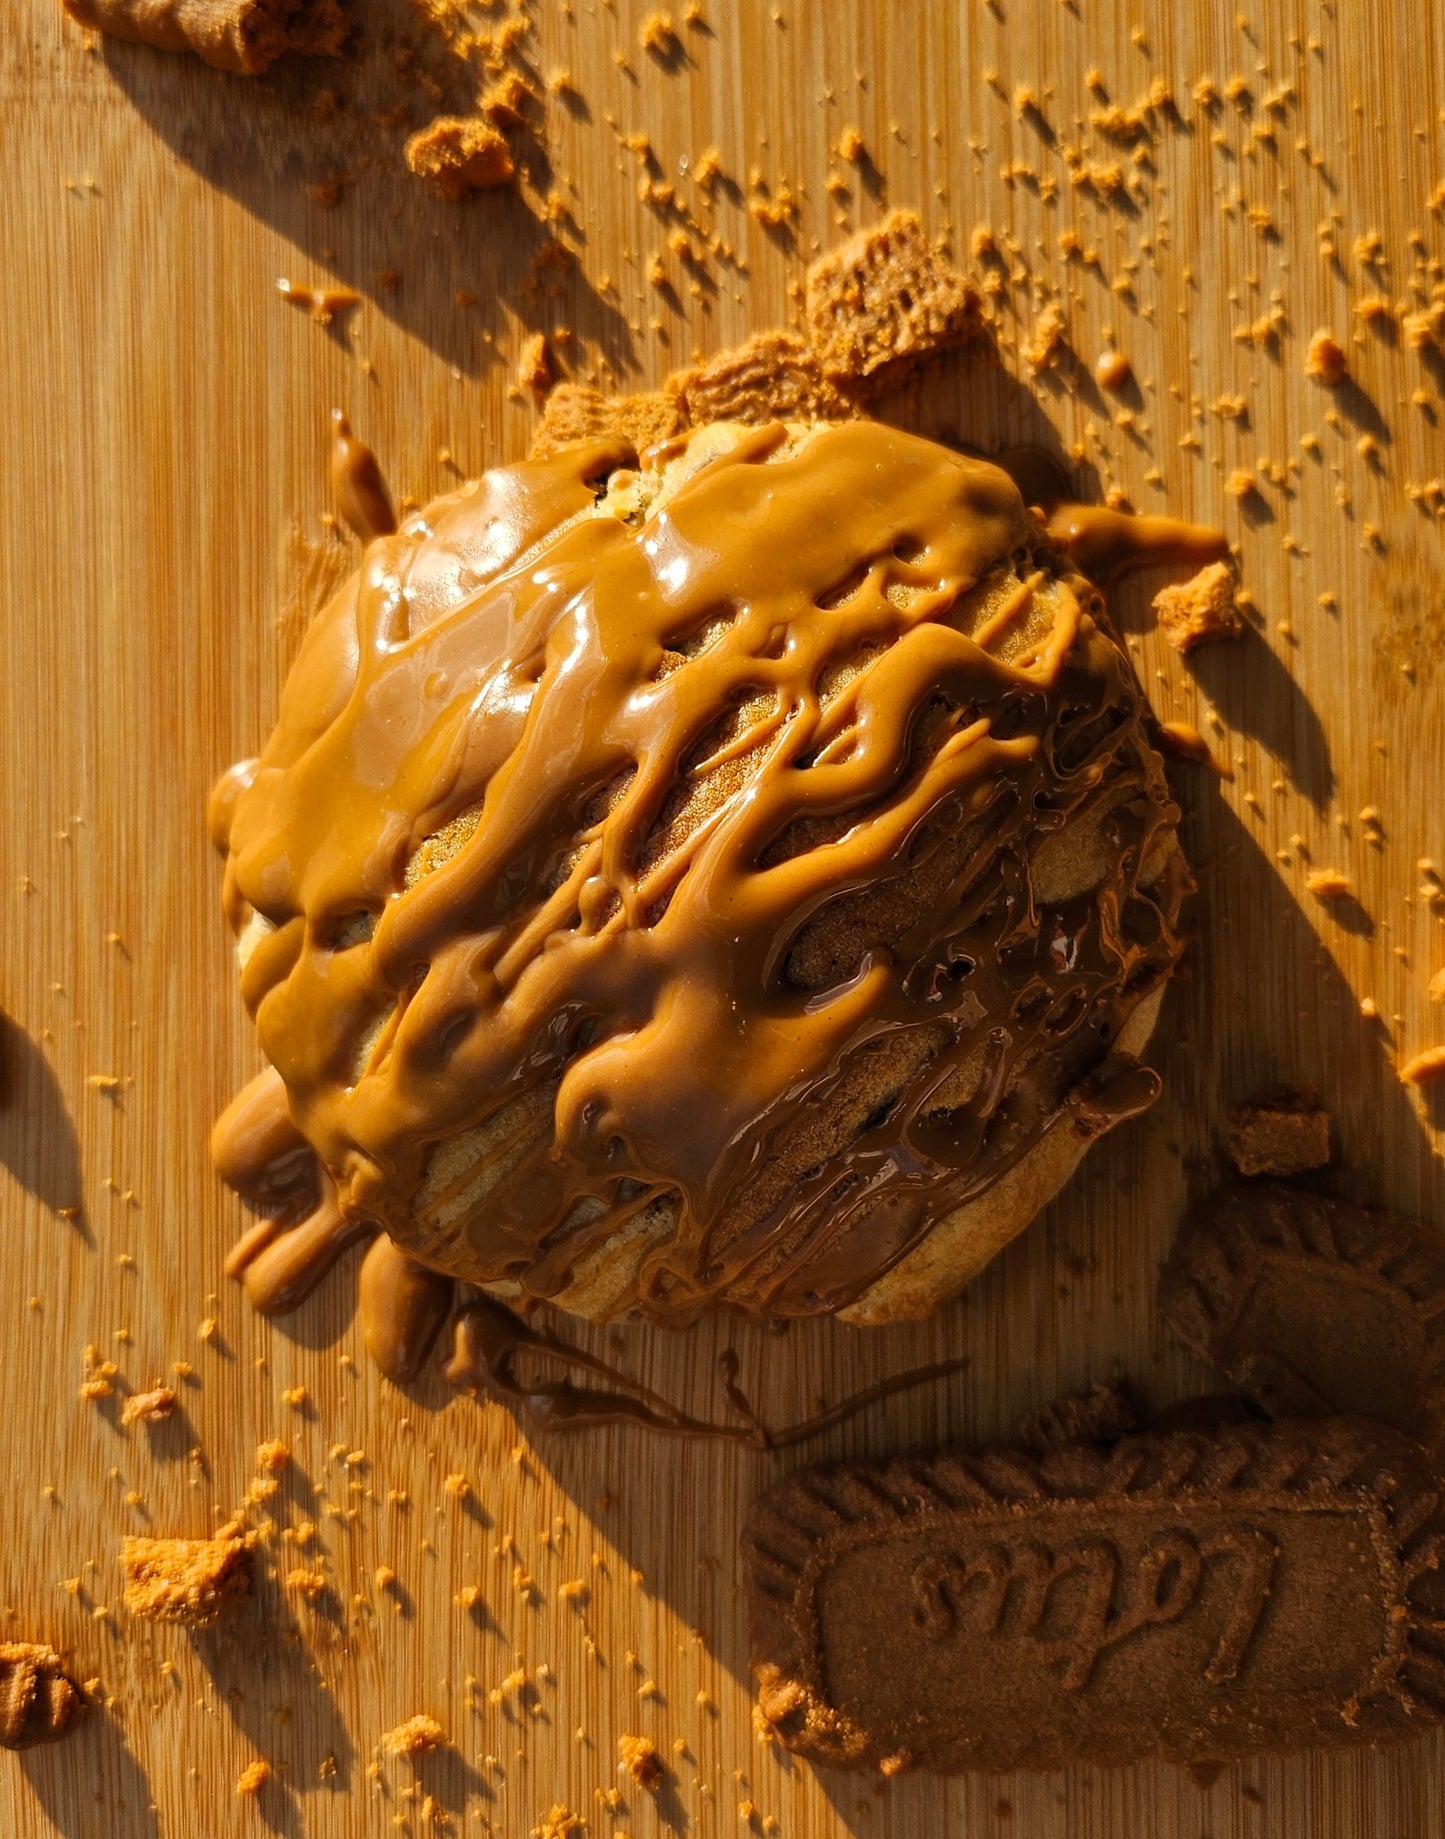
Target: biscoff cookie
{"type": "Point", "coordinates": [1196, 1598]}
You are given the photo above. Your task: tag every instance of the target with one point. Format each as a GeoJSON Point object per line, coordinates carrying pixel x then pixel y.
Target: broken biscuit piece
{"type": "Point", "coordinates": [39, 1701]}
{"type": "Point", "coordinates": [885, 302]}
{"type": "Point", "coordinates": [775, 376]}
{"type": "Point", "coordinates": [245, 37]}
{"type": "Point", "coordinates": [187, 1580]}
{"type": "Point", "coordinates": [458, 156]}
{"type": "Point", "coordinates": [1282, 1132]}
{"type": "Point", "coordinates": [1100, 1415]}
{"type": "Point", "coordinates": [1199, 610]}
{"type": "Point", "coordinates": [577, 412]}
{"type": "Point", "coordinates": [1314, 1305]}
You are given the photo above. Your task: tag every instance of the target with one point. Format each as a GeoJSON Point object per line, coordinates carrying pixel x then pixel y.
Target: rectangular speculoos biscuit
{"type": "Point", "coordinates": [1197, 1598]}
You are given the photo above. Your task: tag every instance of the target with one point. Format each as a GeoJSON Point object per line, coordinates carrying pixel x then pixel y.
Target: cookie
{"type": "Point", "coordinates": [1314, 1305]}
{"type": "Point", "coordinates": [1195, 1598]}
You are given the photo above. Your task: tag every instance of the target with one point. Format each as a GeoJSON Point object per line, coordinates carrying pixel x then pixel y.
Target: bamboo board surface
{"type": "Point", "coordinates": [161, 524]}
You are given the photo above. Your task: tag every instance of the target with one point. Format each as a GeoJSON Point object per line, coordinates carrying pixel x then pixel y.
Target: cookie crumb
{"type": "Point", "coordinates": [641, 1760]}
{"type": "Point", "coordinates": [1326, 360]}
{"type": "Point", "coordinates": [148, 1407]}
{"type": "Point", "coordinates": [418, 1736]}
{"type": "Point", "coordinates": [457, 156]}
{"type": "Point", "coordinates": [1200, 610]}
{"type": "Point", "coordinates": [1328, 884]}
{"type": "Point", "coordinates": [534, 367]}
{"type": "Point", "coordinates": [254, 1777]}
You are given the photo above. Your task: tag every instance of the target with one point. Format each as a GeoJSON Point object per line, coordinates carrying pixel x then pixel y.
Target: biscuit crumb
{"type": "Point", "coordinates": [658, 34]}
{"type": "Point", "coordinates": [1241, 484]}
{"type": "Point", "coordinates": [1326, 360]}
{"type": "Point", "coordinates": [534, 367]}
{"type": "Point", "coordinates": [311, 1584]}
{"type": "Point", "coordinates": [273, 1455]}
{"type": "Point", "coordinates": [1282, 1132]}
{"type": "Point", "coordinates": [641, 1760]}
{"type": "Point", "coordinates": [1427, 1068]}
{"type": "Point", "coordinates": [1328, 884]}
{"type": "Point", "coordinates": [187, 1580]}
{"type": "Point", "coordinates": [1199, 610]}
{"type": "Point", "coordinates": [457, 156]}
{"type": "Point", "coordinates": [148, 1407]}
{"type": "Point", "coordinates": [559, 1822]}
{"type": "Point", "coordinates": [418, 1736]}
{"type": "Point", "coordinates": [851, 145]}
{"type": "Point", "coordinates": [39, 1701]}
{"type": "Point", "coordinates": [1049, 340]}
{"type": "Point", "coordinates": [254, 1777]}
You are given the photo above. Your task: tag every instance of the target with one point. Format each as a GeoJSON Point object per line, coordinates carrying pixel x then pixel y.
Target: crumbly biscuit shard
{"type": "Point", "coordinates": [1196, 611]}
{"type": "Point", "coordinates": [577, 412]}
{"type": "Point", "coordinates": [187, 1580]}
{"type": "Point", "coordinates": [457, 154]}
{"type": "Point", "coordinates": [884, 302]}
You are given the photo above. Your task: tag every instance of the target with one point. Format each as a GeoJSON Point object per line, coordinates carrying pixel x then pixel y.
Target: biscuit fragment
{"type": "Point", "coordinates": [39, 1701]}
{"type": "Point", "coordinates": [1189, 1597]}
{"type": "Point", "coordinates": [458, 155]}
{"type": "Point", "coordinates": [884, 302]}
{"type": "Point", "coordinates": [577, 412]}
{"type": "Point", "coordinates": [243, 36]}
{"type": "Point", "coordinates": [775, 376]}
{"type": "Point", "coordinates": [1314, 1305]}
{"type": "Point", "coordinates": [1100, 1415]}
{"type": "Point", "coordinates": [187, 1580]}
{"type": "Point", "coordinates": [1283, 1132]}
{"type": "Point", "coordinates": [1193, 612]}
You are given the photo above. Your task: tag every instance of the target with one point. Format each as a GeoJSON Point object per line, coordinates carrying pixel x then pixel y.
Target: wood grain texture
{"type": "Point", "coordinates": [164, 418]}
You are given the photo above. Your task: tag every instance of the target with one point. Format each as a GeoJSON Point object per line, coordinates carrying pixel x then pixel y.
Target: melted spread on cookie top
{"type": "Point", "coordinates": [579, 883]}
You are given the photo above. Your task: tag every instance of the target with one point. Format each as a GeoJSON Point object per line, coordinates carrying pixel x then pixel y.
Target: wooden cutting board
{"type": "Point", "coordinates": [163, 540]}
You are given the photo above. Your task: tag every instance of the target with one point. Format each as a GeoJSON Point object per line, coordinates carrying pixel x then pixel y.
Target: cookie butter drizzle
{"type": "Point", "coordinates": [489, 1338]}
{"type": "Point", "coordinates": [506, 652]}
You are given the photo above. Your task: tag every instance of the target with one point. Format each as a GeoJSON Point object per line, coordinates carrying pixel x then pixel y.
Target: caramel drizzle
{"type": "Point", "coordinates": [489, 1338]}
{"type": "Point", "coordinates": [505, 653]}
{"type": "Point", "coordinates": [1101, 542]}
{"type": "Point", "coordinates": [322, 304]}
